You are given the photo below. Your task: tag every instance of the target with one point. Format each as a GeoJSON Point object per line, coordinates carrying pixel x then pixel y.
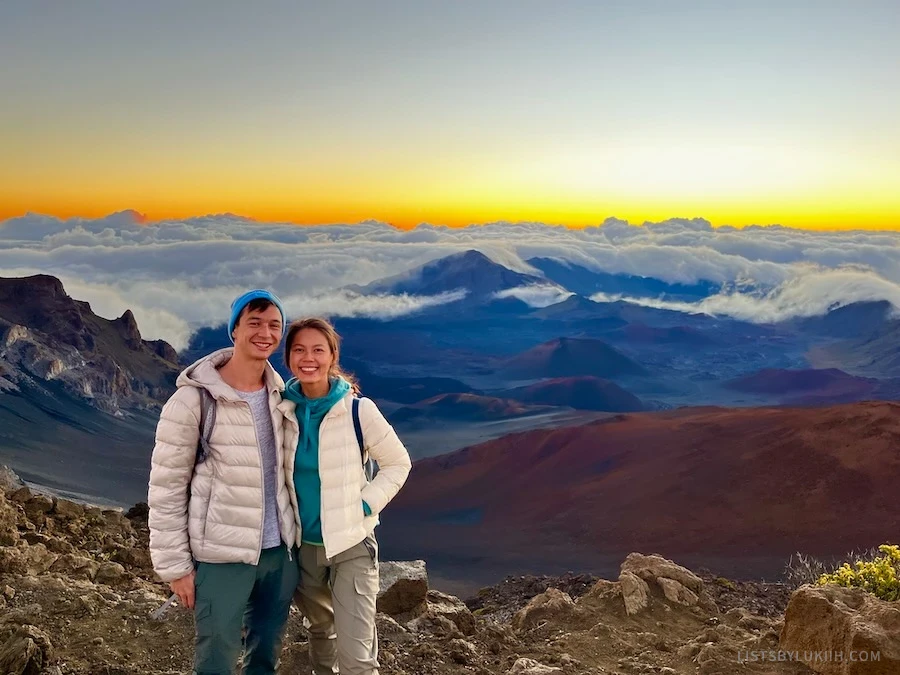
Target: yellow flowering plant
{"type": "Point", "coordinates": [879, 576]}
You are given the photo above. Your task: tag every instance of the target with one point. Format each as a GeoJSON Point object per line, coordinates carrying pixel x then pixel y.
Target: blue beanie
{"type": "Point", "coordinates": [242, 301]}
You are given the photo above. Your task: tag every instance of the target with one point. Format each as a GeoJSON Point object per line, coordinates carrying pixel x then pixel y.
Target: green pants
{"type": "Point", "coordinates": [233, 596]}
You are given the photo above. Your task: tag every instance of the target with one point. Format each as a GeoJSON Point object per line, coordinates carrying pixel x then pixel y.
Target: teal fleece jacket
{"type": "Point", "coordinates": [308, 485]}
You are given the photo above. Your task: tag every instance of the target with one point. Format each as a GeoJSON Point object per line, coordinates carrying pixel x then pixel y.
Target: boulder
{"type": "Point", "coordinates": [551, 604]}
{"type": "Point", "coordinates": [38, 506]}
{"type": "Point", "coordinates": [76, 566]}
{"type": "Point", "coordinates": [449, 607]}
{"type": "Point", "coordinates": [677, 593]}
{"type": "Point", "coordinates": [9, 480]}
{"type": "Point", "coordinates": [9, 534]}
{"type": "Point", "coordinates": [63, 508]}
{"type": "Point", "coordinates": [403, 587]}
{"type": "Point", "coordinates": [832, 620]}
{"type": "Point", "coordinates": [653, 567]}
{"type": "Point", "coordinates": [26, 652]}
{"type": "Point", "coordinates": [21, 495]}
{"type": "Point", "coordinates": [678, 584]}
{"type": "Point", "coordinates": [26, 560]}
{"type": "Point", "coordinates": [635, 592]}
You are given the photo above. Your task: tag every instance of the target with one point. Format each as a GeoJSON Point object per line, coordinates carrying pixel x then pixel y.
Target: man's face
{"type": "Point", "coordinates": [258, 332]}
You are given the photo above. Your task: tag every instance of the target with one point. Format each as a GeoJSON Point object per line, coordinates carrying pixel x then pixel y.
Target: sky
{"type": "Point", "coordinates": [453, 113]}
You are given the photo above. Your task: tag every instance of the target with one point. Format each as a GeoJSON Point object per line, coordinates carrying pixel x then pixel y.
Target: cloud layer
{"type": "Point", "coordinates": [177, 275]}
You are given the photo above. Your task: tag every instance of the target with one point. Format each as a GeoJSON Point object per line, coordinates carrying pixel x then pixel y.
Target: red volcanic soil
{"type": "Point", "coordinates": [568, 357]}
{"type": "Point", "coordinates": [823, 382]}
{"type": "Point", "coordinates": [736, 483]}
{"type": "Point", "coordinates": [581, 393]}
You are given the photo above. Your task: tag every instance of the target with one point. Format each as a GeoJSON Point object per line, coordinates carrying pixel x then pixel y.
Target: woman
{"type": "Point", "coordinates": [337, 508]}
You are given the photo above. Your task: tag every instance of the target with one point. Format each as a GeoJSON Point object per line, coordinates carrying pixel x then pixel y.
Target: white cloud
{"type": "Point", "coordinates": [176, 275]}
{"type": "Point", "coordinates": [536, 295]}
{"type": "Point", "coordinates": [812, 292]}
{"type": "Point", "coordinates": [349, 304]}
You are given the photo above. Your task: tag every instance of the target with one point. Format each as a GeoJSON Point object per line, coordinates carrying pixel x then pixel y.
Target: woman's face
{"type": "Point", "coordinates": [311, 357]}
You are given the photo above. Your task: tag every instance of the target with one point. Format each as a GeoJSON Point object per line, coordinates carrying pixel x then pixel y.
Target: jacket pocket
{"type": "Point", "coordinates": [365, 582]}
{"type": "Point", "coordinates": [209, 507]}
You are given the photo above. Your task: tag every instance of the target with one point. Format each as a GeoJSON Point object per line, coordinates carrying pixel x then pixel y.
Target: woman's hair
{"type": "Point", "coordinates": [331, 337]}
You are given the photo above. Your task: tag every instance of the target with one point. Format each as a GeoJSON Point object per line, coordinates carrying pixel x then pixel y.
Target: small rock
{"type": "Point", "coordinates": [525, 666]}
{"type": "Point", "coordinates": [552, 603]}
{"type": "Point", "coordinates": [462, 651]}
{"type": "Point", "coordinates": [110, 573]}
{"type": "Point", "coordinates": [435, 625]}
{"type": "Point", "coordinates": [391, 631]}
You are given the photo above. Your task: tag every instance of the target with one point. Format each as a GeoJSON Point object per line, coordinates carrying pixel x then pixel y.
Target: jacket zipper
{"type": "Point", "coordinates": [279, 466]}
{"type": "Point", "coordinates": [321, 491]}
{"type": "Point", "coordinates": [262, 481]}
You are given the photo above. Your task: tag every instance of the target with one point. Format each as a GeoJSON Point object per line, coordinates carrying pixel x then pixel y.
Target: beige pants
{"type": "Point", "coordinates": [337, 596]}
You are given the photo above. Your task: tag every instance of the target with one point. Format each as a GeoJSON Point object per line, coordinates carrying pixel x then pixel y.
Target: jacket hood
{"type": "Point", "coordinates": [204, 374]}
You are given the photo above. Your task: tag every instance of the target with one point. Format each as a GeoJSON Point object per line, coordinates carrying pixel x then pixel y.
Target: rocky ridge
{"type": "Point", "coordinates": [77, 593]}
{"type": "Point", "coordinates": [47, 338]}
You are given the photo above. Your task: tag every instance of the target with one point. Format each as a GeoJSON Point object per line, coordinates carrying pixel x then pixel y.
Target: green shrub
{"type": "Point", "coordinates": [880, 576]}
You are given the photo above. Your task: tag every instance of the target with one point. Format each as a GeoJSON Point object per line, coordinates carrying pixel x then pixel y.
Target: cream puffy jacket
{"type": "Point", "coordinates": [222, 522]}
{"type": "Point", "coordinates": [344, 485]}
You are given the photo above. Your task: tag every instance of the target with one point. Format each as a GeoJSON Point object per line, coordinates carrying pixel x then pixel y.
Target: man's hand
{"type": "Point", "coordinates": [184, 589]}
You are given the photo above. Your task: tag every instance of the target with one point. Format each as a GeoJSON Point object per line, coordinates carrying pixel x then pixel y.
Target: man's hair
{"type": "Point", "coordinates": [257, 305]}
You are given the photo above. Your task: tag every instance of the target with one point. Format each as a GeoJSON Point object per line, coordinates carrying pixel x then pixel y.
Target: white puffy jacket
{"type": "Point", "coordinates": [223, 520]}
{"type": "Point", "coordinates": [344, 485]}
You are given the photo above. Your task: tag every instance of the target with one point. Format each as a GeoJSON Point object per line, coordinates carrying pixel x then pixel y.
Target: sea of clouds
{"type": "Point", "coordinates": [180, 274]}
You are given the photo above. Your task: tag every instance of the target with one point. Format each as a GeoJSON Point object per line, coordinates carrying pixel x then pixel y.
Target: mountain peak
{"type": "Point", "coordinates": [128, 329]}
{"type": "Point", "coordinates": [469, 256]}
{"type": "Point", "coordinates": [567, 357]}
{"type": "Point", "coordinates": [470, 270]}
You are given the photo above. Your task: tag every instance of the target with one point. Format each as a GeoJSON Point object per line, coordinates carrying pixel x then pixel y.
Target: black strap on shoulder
{"type": "Point", "coordinates": [207, 422]}
{"type": "Point", "coordinates": [357, 427]}
{"type": "Point", "coordinates": [368, 463]}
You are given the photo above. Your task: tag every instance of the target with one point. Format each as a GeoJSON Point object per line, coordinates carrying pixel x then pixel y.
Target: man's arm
{"type": "Point", "coordinates": [172, 467]}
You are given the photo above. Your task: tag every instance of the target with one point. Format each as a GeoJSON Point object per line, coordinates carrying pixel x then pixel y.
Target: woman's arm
{"type": "Point", "coordinates": [384, 447]}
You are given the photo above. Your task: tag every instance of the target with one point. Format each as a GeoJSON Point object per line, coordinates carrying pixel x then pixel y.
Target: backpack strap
{"type": "Point", "coordinates": [207, 422]}
{"type": "Point", "coordinates": [368, 463]}
{"type": "Point", "coordinates": [357, 427]}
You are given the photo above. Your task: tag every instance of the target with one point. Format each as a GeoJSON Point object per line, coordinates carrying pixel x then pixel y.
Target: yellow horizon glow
{"type": "Point", "coordinates": [724, 184]}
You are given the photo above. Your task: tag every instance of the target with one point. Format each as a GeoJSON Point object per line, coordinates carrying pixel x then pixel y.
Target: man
{"type": "Point", "coordinates": [222, 530]}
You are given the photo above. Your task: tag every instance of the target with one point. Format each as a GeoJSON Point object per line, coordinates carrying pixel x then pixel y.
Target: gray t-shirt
{"type": "Point", "coordinates": [265, 435]}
